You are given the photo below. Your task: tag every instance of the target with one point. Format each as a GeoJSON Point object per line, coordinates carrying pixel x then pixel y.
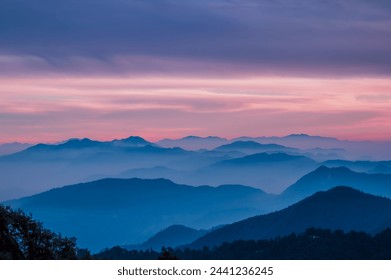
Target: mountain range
{"type": "Point", "coordinates": [245, 162]}
{"type": "Point", "coordinates": [47, 166]}
{"type": "Point", "coordinates": [161, 194]}
{"type": "Point", "coordinates": [356, 150]}
{"type": "Point", "coordinates": [148, 206]}
{"type": "Point", "coordinates": [341, 208]}
{"type": "Point", "coordinates": [131, 210]}
{"type": "Point", "coordinates": [352, 150]}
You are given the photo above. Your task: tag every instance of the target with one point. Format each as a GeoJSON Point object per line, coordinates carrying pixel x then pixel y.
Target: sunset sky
{"type": "Point", "coordinates": [108, 69]}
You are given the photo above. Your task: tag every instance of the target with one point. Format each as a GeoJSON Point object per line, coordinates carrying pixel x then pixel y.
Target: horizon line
{"type": "Point", "coordinates": [157, 139]}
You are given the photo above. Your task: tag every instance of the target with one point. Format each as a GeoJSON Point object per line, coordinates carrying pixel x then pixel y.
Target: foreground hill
{"type": "Point", "coordinates": [127, 211]}
{"type": "Point", "coordinates": [341, 208]}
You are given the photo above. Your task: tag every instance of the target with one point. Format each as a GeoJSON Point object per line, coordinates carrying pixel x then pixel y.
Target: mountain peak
{"type": "Point", "coordinates": [324, 169]}
{"type": "Point", "coordinates": [135, 139]}
{"type": "Point", "coordinates": [132, 141]}
{"type": "Point", "coordinates": [84, 140]}
{"type": "Point", "coordinates": [172, 236]}
{"type": "Point", "coordinates": [340, 190]}
{"type": "Point", "coordinates": [78, 143]}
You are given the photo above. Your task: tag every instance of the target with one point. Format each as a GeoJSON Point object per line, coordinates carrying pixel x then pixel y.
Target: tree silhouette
{"type": "Point", "coordinates": [21, 237]}
{"type": "Point", "coordinates": [313, 244]}
{"type": "Point", "coordinates": [167, 254]}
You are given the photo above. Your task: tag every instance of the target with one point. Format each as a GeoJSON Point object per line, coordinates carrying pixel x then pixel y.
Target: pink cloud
{"type": "Point", "coordinates": [50, 109]}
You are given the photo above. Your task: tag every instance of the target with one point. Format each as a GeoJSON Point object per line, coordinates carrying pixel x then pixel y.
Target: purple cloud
{"type": "Point", "coordinates": [217, 37]}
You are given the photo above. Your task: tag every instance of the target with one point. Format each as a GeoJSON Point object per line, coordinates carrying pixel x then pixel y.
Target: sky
{"type": "Point", "coordinates": [108, 69]}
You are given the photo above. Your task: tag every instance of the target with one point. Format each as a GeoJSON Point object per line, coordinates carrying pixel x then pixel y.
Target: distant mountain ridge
{"type": "Point", "coordinates": [132, 141]}
{"type": "Point", "coordinates": [374, 150]}
{"type": "Point", "coordinates": [79, 160]}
